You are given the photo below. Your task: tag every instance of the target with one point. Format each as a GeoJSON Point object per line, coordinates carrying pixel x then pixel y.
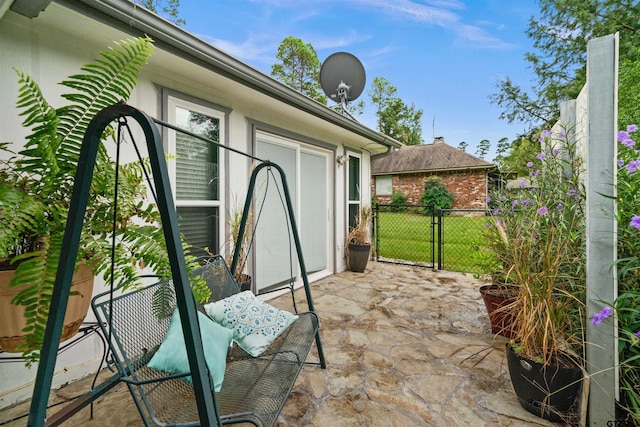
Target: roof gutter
{"type": "Point", "coordinates": [465, 168]}
{"type": "Point", "coordinates": [138, 21]}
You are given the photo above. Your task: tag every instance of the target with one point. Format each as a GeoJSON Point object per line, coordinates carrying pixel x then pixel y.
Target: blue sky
{"type": "Point", "coordinates": [442, 55]}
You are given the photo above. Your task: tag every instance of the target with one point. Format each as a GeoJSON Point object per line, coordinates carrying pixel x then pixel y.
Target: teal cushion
{"type": "Point", "coordinates": [255, 323]}
{"type": "Point", "coordinates": [172, 358]}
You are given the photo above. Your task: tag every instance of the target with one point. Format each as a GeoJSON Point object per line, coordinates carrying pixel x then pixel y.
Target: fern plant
{"type": "Point", "coordinates": [35, 194]}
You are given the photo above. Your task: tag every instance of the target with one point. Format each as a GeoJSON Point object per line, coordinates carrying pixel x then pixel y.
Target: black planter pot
{"type": "Point", "coordinates": [358, 257]}
{"type": "Point", "coordinates": [545, 391]}
{"type": "Point", "coordinates": [244, 281]}
{"type": "Point", "coordinates": [495, 297]}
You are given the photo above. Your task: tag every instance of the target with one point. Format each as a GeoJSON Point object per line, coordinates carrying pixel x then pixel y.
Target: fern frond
{"type": "Point", "coordinates": [162, 300]}
{"type": "Point", "coordinates": [105, 82]}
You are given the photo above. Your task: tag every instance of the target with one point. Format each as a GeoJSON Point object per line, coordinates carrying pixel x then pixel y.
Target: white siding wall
{"type": "Point", "coordinates": [49, 49]}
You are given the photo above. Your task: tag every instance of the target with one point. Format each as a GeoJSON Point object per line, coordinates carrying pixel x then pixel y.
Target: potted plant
{"type": "Point", "coordinates": [35, 185]}
{"type": "Point", "coordinates": [357, 244]}
{"type": "Point", "coordinates": [545, 249]}
{"type": "Point", "coordinates": [492, 258]}
{"type": "Point", "coordinates": [234, 219]}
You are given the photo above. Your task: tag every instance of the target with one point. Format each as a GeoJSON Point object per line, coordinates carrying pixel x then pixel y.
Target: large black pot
{"type": "Point", "coordinates": [545, 391]}
{"type": "Point", "coordinates": [358, 257]}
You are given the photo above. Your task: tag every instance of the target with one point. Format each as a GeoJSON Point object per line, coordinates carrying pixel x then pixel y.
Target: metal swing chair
{"type": "Point", "coordinates": [254, 390]}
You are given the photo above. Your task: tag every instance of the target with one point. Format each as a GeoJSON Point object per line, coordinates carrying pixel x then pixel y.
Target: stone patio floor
{"type": "Point", "coordinates": [405, 346]}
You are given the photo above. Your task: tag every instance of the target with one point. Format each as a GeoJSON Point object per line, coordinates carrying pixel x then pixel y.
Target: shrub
{"type": "Point", "coordinates": [436, 194]}
{"type": "Point", "coordinates": [398, 201]}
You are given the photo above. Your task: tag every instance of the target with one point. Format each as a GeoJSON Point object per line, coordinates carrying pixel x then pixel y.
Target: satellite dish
{"type": "Point", "coordinates": [342, 78]}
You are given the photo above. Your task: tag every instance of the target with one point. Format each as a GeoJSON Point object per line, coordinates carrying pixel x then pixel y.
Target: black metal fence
{"type": "Point", "coordinates": [444, 239]}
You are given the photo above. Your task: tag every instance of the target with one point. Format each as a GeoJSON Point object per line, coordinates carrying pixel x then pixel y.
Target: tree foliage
{"type": "Point", "coordinates": [560, 35]}
{"type": "Point", "coordinates": [462, 146]}
{"type": "Point", "coordinates": [483, 148]}
{"type": "Point", "coordinates": [168, 9]}
{"type": "Point", "coordinates": [299, 68]}
{"type": "Point", "coordinates": [395, 118]}
{"type": "Point", "coordinates": [523, 149]}
{"type": "Point", "coordinates": [628, 93]}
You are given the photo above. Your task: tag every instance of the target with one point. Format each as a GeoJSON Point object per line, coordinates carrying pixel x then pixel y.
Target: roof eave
{"type": "Point", "coordinates": [139, 21]}
{"type": "Point", "coordinates": [435, 170]}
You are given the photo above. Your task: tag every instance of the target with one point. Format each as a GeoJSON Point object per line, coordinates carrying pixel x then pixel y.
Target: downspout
{"type": "Point", "coordinates": [384, 153]}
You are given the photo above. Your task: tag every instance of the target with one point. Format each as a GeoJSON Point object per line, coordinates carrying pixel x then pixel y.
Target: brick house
{"type": "Point", "coordinates": [466, 176]}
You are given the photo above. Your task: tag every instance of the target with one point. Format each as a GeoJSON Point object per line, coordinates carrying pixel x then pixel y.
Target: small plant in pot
{"type": "Point", "coordinates": [357, 245]}
{"type": "Point", "coordinates": [545, 248]}
{"type": "Point", "coordinates": [35, 192]}
{"type": "Point", "coordinates": [234, 220]}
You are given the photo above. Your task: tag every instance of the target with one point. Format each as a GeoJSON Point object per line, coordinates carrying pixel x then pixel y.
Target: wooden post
{"type": "Point", "coordinates": [601, 348]}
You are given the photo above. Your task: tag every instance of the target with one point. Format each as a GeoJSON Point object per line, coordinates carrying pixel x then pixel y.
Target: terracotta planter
{"type": "Point", "coordinates": [12, 316]}
{"type": "Point", "coordinates": [358, 257]}
{"type": "Point", "coordinates": [495, 297]}
{"type": "Point", "coordinates": [545, 391]}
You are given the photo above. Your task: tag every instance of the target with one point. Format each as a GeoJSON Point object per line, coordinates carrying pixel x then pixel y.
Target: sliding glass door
{"type": "Point", "coordinates": [307, 174]}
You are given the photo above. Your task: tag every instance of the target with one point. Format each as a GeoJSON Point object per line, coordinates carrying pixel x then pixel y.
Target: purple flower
{"type": "Point", "coordinates": [601, 315]}
{"type": "Point", "coordinates": [525, 203]}
{"type": "Point", "coordinates": [635, 222]}
{"type": "Point", "coordinates": [537, 172]}
{"type": "Point", "coordinates": [547, 132]}
{"type": "Point", "coordinates": [488, 199]}
{"type": "Point", "coordinates": [637, 334]}
{"type": "Point", "coordinates": [529, 164]}
{"type": "Point", "coordinates": [514, 203]}
{"type": "Point", "coordinates": [555, 152]}
{"type": "Point", "coordinates": [629, 142]}
{"type": "Point", "coordinates": [571, 193]}
{"type": "Point", "coordinates": [543, 211]}
{"type": "Point", "coordinates": [496, 212]}
{"type": "Point", "coordinates": [559, 207]}
{"type": "Point", "coordinates": [540, 156]}
{"type": "Point", "coordinates": [622, 135]}
{"type": "Point", "coordinates": [632, 166]}
{"type": "Point", "coordinates": [632, 128]}
{"type": "Point", "coordinates": [522, 184]}
{"type": "Point", "coordinates": [620, 163]}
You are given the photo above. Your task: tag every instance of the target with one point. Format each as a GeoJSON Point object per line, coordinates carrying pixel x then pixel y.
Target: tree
{"type": "Point", "coordinates": [560, 35]}
{"type": "Point", "coordinates": [503, 148]}
{"type": "Point", "coordinates": [483, 148]}
{"type": "Point", "coordinates": [462, 146]}
{"type": "Point", "coordinates": [395, 118]}
{"type": "Point", "coordinates": [299, 68]}
{"type": "Point", "coordinates": [168, 9]}
{"type": "Point", "coordinates": [523, 149]}
{"type": "Point", "coordinates": [628, 93]}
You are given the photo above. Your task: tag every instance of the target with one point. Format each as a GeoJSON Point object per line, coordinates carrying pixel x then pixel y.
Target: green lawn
{"type": "Point", "coordinates": [408, 236]}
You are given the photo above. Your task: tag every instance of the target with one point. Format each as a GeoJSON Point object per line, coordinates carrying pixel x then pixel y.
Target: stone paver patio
{"type": "Point", "coordinates": [405, 346]}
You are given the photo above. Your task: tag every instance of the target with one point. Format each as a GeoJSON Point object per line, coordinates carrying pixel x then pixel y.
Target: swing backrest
{"type": "Point", "coordinates": [135, 327]}
{"type": "Point", "coordinates": [218, 277]}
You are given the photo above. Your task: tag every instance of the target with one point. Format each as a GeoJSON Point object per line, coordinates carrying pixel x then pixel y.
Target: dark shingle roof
{"type": "Point", "coordinates": [427, 157]}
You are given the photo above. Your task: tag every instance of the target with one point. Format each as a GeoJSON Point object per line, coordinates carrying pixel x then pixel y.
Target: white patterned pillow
{"type": "Point", "coordinates": [255, 323]}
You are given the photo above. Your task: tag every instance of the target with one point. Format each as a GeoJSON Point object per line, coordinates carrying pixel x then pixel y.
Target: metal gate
{"type": "Point", "coordinates": [420, 235]}
{"type": "Point", "coordinates": [408, 234]}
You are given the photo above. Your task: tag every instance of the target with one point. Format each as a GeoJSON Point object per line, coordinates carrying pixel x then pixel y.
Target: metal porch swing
{"type": "Point", "coordinates": [255, 389]}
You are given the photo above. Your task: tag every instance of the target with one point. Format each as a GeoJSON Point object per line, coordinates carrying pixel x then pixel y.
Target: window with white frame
{"type": "Point", "coordinates": [197, 173]}
{"type": "Point", "coordinates": [383, 185]}
{"type": "Point", "coordinates": [353, 184]}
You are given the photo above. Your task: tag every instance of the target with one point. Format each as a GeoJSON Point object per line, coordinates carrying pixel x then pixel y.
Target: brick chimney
{"type": "Point", "coordinates": [438, 140]}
